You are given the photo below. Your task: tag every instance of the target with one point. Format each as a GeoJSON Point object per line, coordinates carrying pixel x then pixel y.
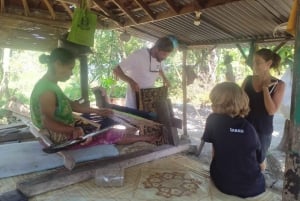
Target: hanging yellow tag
{"type": "Point", "coordinates": [291, 26]}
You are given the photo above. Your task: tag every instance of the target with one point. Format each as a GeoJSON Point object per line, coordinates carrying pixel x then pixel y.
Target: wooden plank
{"type": "Point", "coordinates": [16, 136]}
{"type": "Point", "coordinates": [14, 195]}
{"type": "Point", "coordinates": [164, 115]}
{"type": "Point", "coordinates": [175, 122]}
{"type": "Point", "coordinates": [62, 177]}
{"type": "Point", "coordinates": [28, 157]}
{"type": "Point", "coordinates": [12, 125]}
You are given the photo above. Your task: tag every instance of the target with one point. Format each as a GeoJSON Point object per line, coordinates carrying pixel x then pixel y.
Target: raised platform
{"type": "Point", "coordinates": [28, 157]}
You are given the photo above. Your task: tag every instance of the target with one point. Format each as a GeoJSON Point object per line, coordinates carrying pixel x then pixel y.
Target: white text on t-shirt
{"type": "Point", "coordinates": [236, 130]}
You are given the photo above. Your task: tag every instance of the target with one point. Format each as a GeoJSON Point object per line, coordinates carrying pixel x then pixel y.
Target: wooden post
{"type": "Point", "coordinates": [84, 79]}
{"type": "Point", "coordinates": [184, 92]}
{"type": "Point", "coordinates": [291, 188]}
{"type": "Point", "coordinates": [5, 57]}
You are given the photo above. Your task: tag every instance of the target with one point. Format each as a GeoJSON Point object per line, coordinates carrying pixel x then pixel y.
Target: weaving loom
{"type": "Point", "coordinates": [96, 154]}
{"type": "Point", "coordinates": [89, 123]}
{"type": "Point", "coordinates": [156, 100]}
{"type": "Point", "coordinates": [154, 106]}
{"type": "Point", "coordinates": [134, 125]}
{"type": "Point", "coordinates": [148, 99]}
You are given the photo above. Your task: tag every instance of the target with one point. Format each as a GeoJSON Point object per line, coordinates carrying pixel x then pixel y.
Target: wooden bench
{"type": "Point", "coordinates": [22, 112]}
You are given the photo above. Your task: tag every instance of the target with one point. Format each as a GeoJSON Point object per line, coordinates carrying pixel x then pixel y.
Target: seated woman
{"type": "Point", "coordinates": [53, 111]}
{"type": "Point", "coordinates": [237, 159]}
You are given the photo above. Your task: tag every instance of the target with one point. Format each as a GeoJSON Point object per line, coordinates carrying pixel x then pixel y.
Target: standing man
{"type": "Point", "coordinates": [141, 69]}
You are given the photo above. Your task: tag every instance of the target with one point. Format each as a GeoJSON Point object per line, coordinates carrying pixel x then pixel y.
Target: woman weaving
{"type": "Point", "coordinates": [52, 110]}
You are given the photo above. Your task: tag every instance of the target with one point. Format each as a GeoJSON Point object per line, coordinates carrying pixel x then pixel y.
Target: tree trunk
{"type": "Point", "coordinates": [4, 68]}
{"type": "Point", "coordinates": [283, 145]}
{"type": "Point", "coordinates": [229, 71]}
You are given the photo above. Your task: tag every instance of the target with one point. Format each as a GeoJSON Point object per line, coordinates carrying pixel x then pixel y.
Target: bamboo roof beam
{"type": "Point", "coordinates": [125, 10]}
{"type": "Point", "coordinates": [69, 1]}
{"type": "Point", "coordinates": [211, 3]}
{"type": "Point", "coordinates": [67, 8]}
{"type": "Point", "coordinates": [146, 8]}
{"type": "Point", "coordinates": [107, 13]}
{"type": "Point", "coordinates": [184, 10]}
{"type": "Point", "coordinates": [155, 3]}
{"type": "Point", "coordinates": [53, 23]}
{"type": "Point", "coordinates": [2, 6]}
{"type": "Point", "coordinates": [51, 11]}
{"type": "Point", "coordinates": [172, 6]}
{"type": "Point", "coordinates": [26, 8]}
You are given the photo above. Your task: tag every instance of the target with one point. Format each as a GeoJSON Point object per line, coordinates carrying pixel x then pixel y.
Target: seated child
{"type": "Point", "coordinates": [235, 168]}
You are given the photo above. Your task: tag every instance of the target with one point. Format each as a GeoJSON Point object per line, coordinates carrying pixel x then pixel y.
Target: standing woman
{"type": "Point", "coordinates": [265, 94]}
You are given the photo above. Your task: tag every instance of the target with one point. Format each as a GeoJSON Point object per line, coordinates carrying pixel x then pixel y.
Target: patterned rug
{"type": "Point", "coordinates": [175, 185]}
{"type": "Point", "coordinates": [171, 178]}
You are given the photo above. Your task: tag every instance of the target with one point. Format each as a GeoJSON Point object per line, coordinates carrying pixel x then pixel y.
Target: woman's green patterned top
{"type": "Point", "coordinates": [63, 111]}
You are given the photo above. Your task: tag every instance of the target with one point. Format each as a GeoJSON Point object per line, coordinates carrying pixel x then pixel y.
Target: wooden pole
{"type": "Point", "coordinates": [84, 79]}
{"type": "Point", "coordinates": [5, 56]}
{"type": "Point", "coordinates": [291, 188]}
{"type": "Point", "coordinates": [184, 93]}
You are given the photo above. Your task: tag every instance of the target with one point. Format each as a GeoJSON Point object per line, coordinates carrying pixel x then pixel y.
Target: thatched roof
{"type": "Point", "coordinates": [37, 24]}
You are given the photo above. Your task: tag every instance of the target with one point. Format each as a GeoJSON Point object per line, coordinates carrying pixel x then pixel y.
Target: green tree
{"type": "Point", "coordinates": [108, 52]}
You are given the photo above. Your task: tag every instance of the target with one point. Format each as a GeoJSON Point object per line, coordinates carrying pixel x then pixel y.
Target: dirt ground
{"type": "Point", "coordinates": [195, 125]}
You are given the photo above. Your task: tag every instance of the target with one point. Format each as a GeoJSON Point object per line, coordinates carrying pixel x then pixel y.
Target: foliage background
{"type": "Point", "coordinates": [24, 70]}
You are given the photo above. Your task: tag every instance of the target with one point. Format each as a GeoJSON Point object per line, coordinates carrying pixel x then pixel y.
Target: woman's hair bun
{"type": "Point", "coordinates": [44, 59]}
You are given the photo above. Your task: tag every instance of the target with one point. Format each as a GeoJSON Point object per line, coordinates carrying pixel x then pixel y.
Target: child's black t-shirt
{"type": "Point", "coordinates": [235, 166]}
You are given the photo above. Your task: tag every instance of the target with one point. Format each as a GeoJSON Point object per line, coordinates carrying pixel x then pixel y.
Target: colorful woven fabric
{"type": "Point", "coordinates": [148, 98]}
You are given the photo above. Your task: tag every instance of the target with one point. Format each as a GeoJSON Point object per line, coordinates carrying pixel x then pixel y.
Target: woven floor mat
{"type": "Point", "coordinates": [171, 178]}
{"type": "Point", "coordinates": [138, 146]}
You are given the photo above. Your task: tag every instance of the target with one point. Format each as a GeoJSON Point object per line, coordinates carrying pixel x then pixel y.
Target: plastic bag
{"type": "Point", "coordinates": [109, 177]}
{"type": "Point", "coordinates": [83, 27]}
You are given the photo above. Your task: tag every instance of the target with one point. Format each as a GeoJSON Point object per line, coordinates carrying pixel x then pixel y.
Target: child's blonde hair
{"type": "Point", "coordinates": [229, 98]}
